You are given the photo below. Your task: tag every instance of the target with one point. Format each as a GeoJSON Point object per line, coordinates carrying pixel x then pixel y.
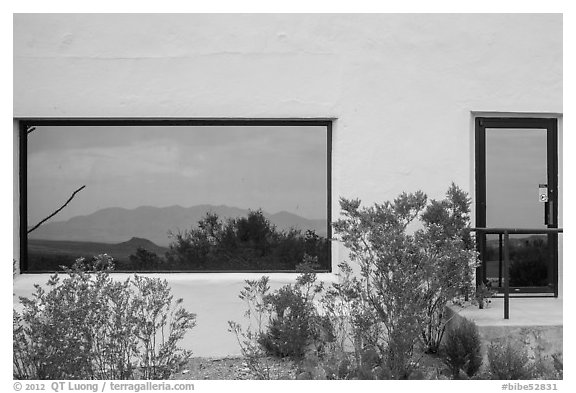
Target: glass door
{"type": "Point", "coordinates": [517, 169]}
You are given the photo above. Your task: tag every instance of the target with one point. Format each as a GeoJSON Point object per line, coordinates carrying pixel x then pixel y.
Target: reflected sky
{"type": "Point", "coordinates": [515, 165]}
{"type": "Point", "coordinates": [273, 168]}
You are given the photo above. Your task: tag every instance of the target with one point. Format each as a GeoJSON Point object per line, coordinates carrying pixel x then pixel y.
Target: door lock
{"type": "Point", "coordinates": [543, 192]}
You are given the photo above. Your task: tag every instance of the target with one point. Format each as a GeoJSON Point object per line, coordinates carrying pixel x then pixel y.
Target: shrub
{"type": "Point", "coordinates": [547, 367]}
{"type": "Point", "coordinates": [294, 325]}
{"type": "Point", "coordinates": [283, 323]}
{"type": "Point", "coordinates": [450, 259]}
{"type": "Point", "coordinates": [289, 331]}
{"type": "Point", "coordinates": [461, 349]}
{"type": "Point", "coordinates": [543, 366]}
{"type": "Point", "coordinates": [406, 279]}
{"type": "Point", "coordinates": [508, 361]}
{"type": "Point", "coordinates": [341, 366]}
{"type": "Point", "coordinates": [558, 364]}
{"type": "Point", "coordinates": [390, 282]}
{"type": "Point", "coordinates": [87, 326]}
{"type": "Point", "coordinates": [159, 326]}
{"type": "Point", "coordinates": [483, 295]}
{"type": "Point", "coordinates": [356, 329]}
{"type": "Point", "coordinates": [247, 337]}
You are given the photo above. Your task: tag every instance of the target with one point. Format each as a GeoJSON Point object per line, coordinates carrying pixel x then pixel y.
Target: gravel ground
{"type": "Point", "coordinates": [230, 368]}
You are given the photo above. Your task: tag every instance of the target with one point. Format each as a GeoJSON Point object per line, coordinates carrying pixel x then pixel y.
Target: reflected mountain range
{"type": "Point", "coordinates": [116, 225]}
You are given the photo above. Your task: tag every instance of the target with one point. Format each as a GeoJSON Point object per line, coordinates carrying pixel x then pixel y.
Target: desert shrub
{"type": "Point", "coordinates": [547, 367]}
{"type": "Point", "coordinates": [461, 349]}
{"type": "Point", "coordinates": [450, 259]}
{"type": "Point", "coordinates": [88, 326]}
{"type": "Point", "coordinates": [390, 282]}
{"type": "Point", "coordinates": [247, 336]}
{"type": "Point", "coordinates": [343, 366]}
{"type": "Point", "coordinates": [406, 279]}
{"type": "Point", "coordinates": [282, 323]}
{"type": "Point", "coordinates": [294, 325]}
{"type": "Point", "coordinates": [160, 324]}
{"type": "Point", "coordinates": [558, 364]}
{"type": "Point", "coordinates": [509, 361]}
{"type": "Point", "coordinates": [543, 366]}
{"type": "Point", "coordinates": [289, 330]}
{"type": "Point", "coordinates": [356, 349]}
{"type": "Point", "coordinates": [483, 294]}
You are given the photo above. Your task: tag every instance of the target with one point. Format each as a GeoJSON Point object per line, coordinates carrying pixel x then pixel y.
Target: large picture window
{"type": "Point", "coordinates": [229, 195]}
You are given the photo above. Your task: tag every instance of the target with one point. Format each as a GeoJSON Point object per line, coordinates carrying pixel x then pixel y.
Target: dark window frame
{"type": "Point", "coordinates": [25, 123]}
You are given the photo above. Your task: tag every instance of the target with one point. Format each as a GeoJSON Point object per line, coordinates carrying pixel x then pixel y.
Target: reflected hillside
{"type": "Point", "coordinates": [213, 243]}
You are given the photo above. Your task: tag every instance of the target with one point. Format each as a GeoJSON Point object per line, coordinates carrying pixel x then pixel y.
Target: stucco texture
{"type": "Point", "coordinates": [402, 91]}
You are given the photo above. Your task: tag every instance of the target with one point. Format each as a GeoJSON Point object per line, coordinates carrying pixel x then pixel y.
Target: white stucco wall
{"type": "Point", "coordinates": [402, 89]}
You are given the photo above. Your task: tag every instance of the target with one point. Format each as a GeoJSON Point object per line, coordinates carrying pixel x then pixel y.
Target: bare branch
{"type": "Point", "coordinates": [57, 211]}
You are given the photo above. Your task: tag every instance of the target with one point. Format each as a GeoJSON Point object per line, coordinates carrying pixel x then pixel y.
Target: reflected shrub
{"type": "Point", "coordinates": [244, 243]}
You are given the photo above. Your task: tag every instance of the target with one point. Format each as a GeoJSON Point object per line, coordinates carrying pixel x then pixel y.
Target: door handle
{"type": "Point", "coordinates": [549, 213]}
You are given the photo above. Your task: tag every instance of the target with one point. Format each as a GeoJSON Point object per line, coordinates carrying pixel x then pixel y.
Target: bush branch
{"type": "Point", "coordinates": [57, 211]}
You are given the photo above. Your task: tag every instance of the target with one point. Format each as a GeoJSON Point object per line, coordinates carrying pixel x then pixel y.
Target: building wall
{"type": "Point", "coordinates": [402, 90]}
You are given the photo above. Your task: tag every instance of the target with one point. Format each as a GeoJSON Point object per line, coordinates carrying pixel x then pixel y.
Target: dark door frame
{"type": "Point", "coordinates": [551, 125]}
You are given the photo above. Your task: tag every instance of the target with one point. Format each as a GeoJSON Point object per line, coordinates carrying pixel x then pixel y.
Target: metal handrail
{"type": "Point", "coordinates": [518, 231]}
{"type": "Point", "coordinates": [507, 232]}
